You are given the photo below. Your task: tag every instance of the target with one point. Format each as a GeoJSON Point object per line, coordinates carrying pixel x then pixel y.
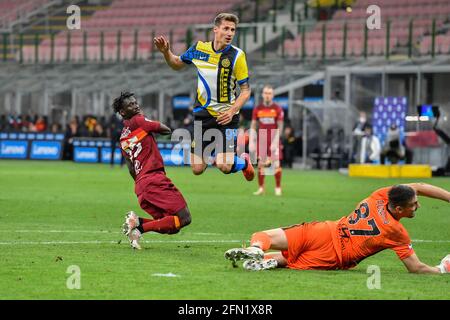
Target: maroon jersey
{"type": "Point", "coordinates": [268, 116]}
{"type": "Point", "coordinates": [139, 145]}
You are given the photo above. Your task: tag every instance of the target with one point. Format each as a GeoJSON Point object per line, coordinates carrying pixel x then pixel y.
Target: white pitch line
{"type": "Point", "coordinates": [435, 241]}
{"type": "Point", "coordinates": [113, 242]}
{"type": "Point", "coordinates": [60, 231]}
{"type": "Point", "coordinates": [169, 275]}
{"type": "Point", "coordinates": [95, 231]}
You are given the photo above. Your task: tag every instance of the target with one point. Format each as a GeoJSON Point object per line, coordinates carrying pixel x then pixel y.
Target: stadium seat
{"type": "Point", "coordinates": [142, 15]}
{"type": "Point", "coordinates": [398, 12]}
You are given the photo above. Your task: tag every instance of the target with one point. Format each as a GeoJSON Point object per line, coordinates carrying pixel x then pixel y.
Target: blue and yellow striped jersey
{"type": "Point", "coordinates": [218, 73]}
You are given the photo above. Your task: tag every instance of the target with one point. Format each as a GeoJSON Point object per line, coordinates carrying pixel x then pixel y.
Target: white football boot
{"type": "Point", "coordinates": [278, 192]}
{"type": "Point", "coordinates": [131, 222]}
{"type": "Point", "coordinates": [236, 254]}
{"type": "Point", "coordinates": [259, 265]}
{"type": "Point", "coordinates": [259, 192]}
{"type": "Point", "coordinates": [134, 236]}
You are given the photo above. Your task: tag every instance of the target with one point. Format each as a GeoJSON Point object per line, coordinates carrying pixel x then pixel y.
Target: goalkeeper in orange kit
{"type": "Point", "coordinates": [372, 227]}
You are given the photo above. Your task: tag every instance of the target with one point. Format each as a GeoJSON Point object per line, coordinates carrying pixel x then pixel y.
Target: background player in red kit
{"type": "Point", "coordinates": [156, 193]}
{"type": "Point", "coordinates": [268, 117]}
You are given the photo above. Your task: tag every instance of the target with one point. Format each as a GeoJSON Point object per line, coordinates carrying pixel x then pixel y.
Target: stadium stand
{"type": "Point", "coordinates": [421, 14]}
{"type": "Point", "coordinates": [136, 20]}
{"type": "Point", "coordinates": [13, 10]}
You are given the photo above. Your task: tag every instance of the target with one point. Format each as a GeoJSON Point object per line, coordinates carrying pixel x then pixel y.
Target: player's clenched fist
{"type": "Point", "coordinates": [445, 264]}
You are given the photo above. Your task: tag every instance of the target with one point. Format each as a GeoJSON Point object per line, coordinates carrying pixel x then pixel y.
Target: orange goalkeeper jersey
{"type": "Point", "coordinates": [368, 230]}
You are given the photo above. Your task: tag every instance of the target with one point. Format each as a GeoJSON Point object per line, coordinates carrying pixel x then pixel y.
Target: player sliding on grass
{"type": "Point", "coordinates": [221, 66]}
{"type": "Point", "coordinates": [156, 194]}
{"type": "Point", "coordinates": [329, 245]}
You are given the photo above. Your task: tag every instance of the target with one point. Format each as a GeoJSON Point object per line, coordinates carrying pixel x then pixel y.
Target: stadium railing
{"type": "Point", "coordinates": [332, 40]}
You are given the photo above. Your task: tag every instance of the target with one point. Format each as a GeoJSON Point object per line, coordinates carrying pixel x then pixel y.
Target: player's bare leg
{"type": "Point", "coordinates": [229, 162]}
{"type": "Point", "coordinates": [278, 172]}
{"type": "Point", "coordinates": [198, 165]}
{"type": "Point", "coordinates": [224, 161]}
{"type": "Point", "coordinates": [274, 239]}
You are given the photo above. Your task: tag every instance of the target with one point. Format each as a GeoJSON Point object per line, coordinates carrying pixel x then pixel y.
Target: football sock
{"type": "Point", "coordinates": [261, 178]}
{"type": "Point", "coordinates": [261, 240]}
{"type": "Point", "coordinates": [141, 222]}
{"type": "Point", "coordinates": [168, 225]}
{"type": "Point", "coordinates": [239, 164]}
{"type": "Point", "coordinates": [144, 220]}
{"type": "Point", "coordinates": [278, 177]}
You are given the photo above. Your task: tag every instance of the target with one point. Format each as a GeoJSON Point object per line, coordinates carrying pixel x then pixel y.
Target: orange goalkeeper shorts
{"type": "Point", "coordinates": [310, 246]}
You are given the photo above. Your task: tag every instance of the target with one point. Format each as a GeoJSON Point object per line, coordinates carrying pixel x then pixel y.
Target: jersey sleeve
{"type": "Point", "coordinates": [241, 69]}
{"type": "Point", "coordinates": [148, 125]}
{"type": "Point", "coordinates": [399, 241]}
{"type": "Point", "coordinates": [189, 54]}
{"type": "Point", "coordinates": [402, 244]}
{"type": "Point", "coordinates": [404, 251]}
{"type": "Point", "coordinates": [280, 115]}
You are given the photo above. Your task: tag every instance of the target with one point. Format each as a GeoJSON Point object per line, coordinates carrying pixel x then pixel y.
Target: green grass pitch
{"type": "Point", "coordinates": [59, 214]}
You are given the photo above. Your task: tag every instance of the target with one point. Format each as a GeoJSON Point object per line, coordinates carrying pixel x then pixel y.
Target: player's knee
{"type": "Point", "coordinates": [198, 169]}
{"type": "Point", "coordinates": [225, 167]}
{"type": "Point", "coordinates": [185, 217]}
{"type": "Point", "coordinates": [197, 172]}
{"type": "Point", "coordinates": [187, 220]}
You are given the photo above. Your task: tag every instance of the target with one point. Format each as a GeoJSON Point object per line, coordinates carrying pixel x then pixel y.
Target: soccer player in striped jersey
{"type": "Point", "coordinates": [221, 68]}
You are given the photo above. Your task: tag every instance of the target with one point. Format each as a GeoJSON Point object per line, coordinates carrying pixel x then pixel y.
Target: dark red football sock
{"type": "Point", "coordinates": [168, 225]}
{"type": "Point", "coordinates": [278, 178]}
{"type": "Point", "coordinates": [143, 220]}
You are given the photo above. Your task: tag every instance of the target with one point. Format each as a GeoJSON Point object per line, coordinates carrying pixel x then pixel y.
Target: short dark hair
{"type": "Point", "coordinates": [401, 195]}
{"type": "Point", "coordinates": [118, 102]}
{"type": "Point", "coordinates": [227, 17]}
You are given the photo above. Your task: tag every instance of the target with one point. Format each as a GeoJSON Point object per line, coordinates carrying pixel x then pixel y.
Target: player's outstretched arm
{"type": "Point", "coordinates": [414, 265]}
{"type": "Point", "coordinates": [428, 190]}
{"type": "Point", "coordinates": [164, 130]}
{"type": "Point", "coordinates": [172, 60]}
